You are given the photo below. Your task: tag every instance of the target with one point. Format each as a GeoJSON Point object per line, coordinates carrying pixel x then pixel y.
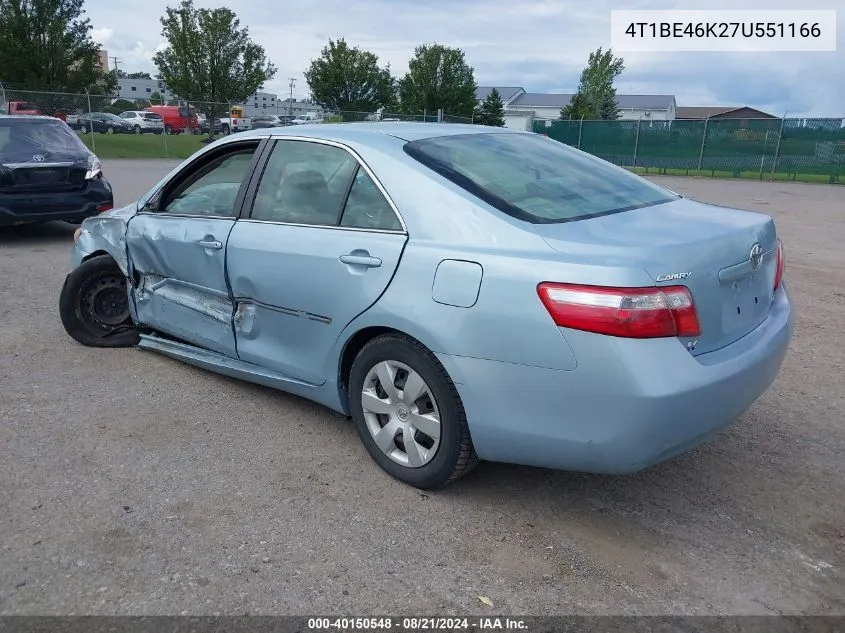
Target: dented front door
{"type": "Point", "coordinates": [177, 252]}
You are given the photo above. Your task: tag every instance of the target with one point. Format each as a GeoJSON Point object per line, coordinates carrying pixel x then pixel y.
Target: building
{"type": "Point", "coordinates": [102, 62]}
{"type": "Point", "coordinates": [719, 112]}
{"type": "Point", "coordinates": [133, 89]}
{"type": "Point", "coordinates": [257, 104]}
{"type": "Point", "coordinates": [298, 108]}
{"type": "Point", "coordinates": [547, 105]}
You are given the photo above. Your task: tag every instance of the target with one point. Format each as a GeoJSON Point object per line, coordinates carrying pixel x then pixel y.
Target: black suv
{"type": "Point", "coordinates": [47, 173]}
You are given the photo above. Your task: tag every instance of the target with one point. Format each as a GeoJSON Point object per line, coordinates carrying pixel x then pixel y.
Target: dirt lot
{"type": "Point", "coordinates": [133, 484]}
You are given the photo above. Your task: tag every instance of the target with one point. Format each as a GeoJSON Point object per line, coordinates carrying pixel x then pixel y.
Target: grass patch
{"type": "Point", "coordinates": [741, 175]}
{"type": "Point", "coordinates": [143, 145]}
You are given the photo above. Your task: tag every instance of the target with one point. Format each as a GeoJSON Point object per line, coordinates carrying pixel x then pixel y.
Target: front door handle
{"type": "Point", "coordinates": [211, 244]}
{"type": "Point", "coordinates": [361, 260]}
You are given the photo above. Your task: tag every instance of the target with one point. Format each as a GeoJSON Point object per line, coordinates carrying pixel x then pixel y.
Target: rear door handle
{"type": "Point", "coordinates": [361, 260]}
{"type": "Point", "coordinates": [211, 244]}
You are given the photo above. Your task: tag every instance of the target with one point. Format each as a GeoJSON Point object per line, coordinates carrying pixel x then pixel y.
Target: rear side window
{"type": "Point", "coordinates": [367, 208]}
{"type": "Point", "coordinates": [534, 178]}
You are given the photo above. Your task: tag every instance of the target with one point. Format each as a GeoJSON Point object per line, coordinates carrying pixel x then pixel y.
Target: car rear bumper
{"type": "Point", "coordinates": [72, 206]}
{"type": "Point", "coordinates": [627, 405]}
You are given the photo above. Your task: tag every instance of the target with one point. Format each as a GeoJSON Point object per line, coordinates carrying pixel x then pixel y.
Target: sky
{"type": "Point", "coordinates": [540, 45]}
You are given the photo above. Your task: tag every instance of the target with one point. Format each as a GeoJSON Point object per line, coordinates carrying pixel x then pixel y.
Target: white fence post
{"type": "Point", "coordinates": [777, 147]}
{"type": "Point", "coordinates": [637, 141]}
{"type": "Point", "coordinates": [90, 123]}
{"type": "Point", "coordinates": [580, 128]}
{"type": "Point", "coordinates": [703, 140]}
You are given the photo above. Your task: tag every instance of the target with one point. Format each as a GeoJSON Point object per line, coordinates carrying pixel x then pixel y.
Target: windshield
{"type": "Point", "coordinates": [534, 178]}
{"type": "Point", "coordinates": [39, 140]}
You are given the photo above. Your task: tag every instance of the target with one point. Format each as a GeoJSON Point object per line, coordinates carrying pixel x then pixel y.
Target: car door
{"type": "Point", "coordinates": [317, 244]}
{"type": "Point", "coordinates": [177, 248]}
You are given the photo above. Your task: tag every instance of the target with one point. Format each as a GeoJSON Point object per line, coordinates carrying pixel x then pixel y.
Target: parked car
{"type": "Point", "coordinates": [202, 121]}
{"type": "Point", "coordinates": [47, 173]}
{"type": "Point", "coordinates": [143, 121]}
{"type": "Point", "coordinates": [269, 120]}
{"type": "Point", "coordinates": [22, 108]}
{"type": "Point", "coordinates": [461, 292]}
{"type": "Point", "coordinates": [177, 119]}
{"type": "Point", "coordinates": [104, 122]}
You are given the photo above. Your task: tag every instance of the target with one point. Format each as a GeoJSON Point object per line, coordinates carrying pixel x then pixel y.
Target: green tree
{"type": "Point", "coordinates": [597, 83]}
{"type": "Point", "coordinates": [349, 79]}
{"type": "Point", "coordinates": [120, 105]}
{"type": "Point", "coordinates": [46, 44]}
{"type": "Point", "coordinates": [156, 99]}
{"type": "Point", "coordinates": [578, 108]}
{"type": "Point", "coordinates": [139, 75]}
{"type": "Point", "coordinates": [210, 59]}
{"type": "Point", "coordinates": [438, 77]}
{"type": "Point", "coordinates": [491, 111]}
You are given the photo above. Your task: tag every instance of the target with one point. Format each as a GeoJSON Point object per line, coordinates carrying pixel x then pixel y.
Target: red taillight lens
{"type": "Point", "coordinates": [779, 269]}
{"type": "Point", "coordinates": [625, 312]}
{"type": "Point", "coordinates": [101, 208]}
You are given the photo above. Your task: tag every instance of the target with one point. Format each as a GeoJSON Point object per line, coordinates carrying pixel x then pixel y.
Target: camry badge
{"type": "Point", "coordinates": [756, 256]}
{"type": "Point", "coordinates": [38, 158]}
{"type": "Point", "coordinates": [673, 276]}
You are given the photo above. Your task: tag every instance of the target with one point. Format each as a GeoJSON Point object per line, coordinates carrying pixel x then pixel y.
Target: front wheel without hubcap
{"type": "Point", "coordinates": [408, 413]}
{"type": "Point", "coordinates": [94, 305]}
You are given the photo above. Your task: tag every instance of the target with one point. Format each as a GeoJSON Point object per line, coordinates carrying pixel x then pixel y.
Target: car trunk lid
{"type": "Point", "coordinates": [706, 248]}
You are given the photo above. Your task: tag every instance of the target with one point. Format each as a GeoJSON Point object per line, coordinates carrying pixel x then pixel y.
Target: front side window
{"type": "Point", "coordinates": [213, 188]}
{"type": "Point", "coordinates": [534, 178]}
{"type": "Point", "coordinates": [304, 183]}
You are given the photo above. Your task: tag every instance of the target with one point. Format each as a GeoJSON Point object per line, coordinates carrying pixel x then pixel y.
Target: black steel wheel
{"type": "Point", "coordinates": [94, 305]}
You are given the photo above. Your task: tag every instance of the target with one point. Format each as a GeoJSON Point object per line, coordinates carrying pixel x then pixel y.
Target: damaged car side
{"type": "Point", "coordinates": [461, 292]}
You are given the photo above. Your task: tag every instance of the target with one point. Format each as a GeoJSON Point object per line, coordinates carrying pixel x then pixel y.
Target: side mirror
{"type": "Point", "coordinates": [152, 203]}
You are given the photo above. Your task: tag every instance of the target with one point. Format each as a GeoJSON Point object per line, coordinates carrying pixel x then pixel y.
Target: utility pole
{"type": "Point", "coordinates": [115, 61]}
{"type": "Point", "coordinates": [291, 83]}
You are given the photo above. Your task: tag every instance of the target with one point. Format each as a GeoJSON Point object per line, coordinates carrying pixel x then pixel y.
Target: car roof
{"type": "Point", "coordinates": [406, 131]}
{"type": "Point", "coordinates": [29, 117]}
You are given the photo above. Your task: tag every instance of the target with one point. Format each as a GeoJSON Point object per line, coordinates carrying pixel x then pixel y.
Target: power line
{"type": "Point", "coordinates": [115, 62]}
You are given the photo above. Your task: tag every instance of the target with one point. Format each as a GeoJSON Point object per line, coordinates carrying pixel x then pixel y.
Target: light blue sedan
{"type": "Point", "coordinates": [461, 292]}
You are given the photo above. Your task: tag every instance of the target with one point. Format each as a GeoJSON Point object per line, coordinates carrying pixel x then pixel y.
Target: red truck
{"type": "Point", "coordinates": [21, 107]}
{"type": "Point", "coordinates": [177, 119]}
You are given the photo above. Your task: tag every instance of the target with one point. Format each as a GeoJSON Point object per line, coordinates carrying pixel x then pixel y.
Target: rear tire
{"type": "Point", "coordinates": [94, 305]}
{"type": "Point", "coordinates": [168, 129]}
{"type": "Point", "coordinates": [225, 129]}
{"type": "Point", "coordinates": [434, 408]}
{"type": "Point", "coordinates": [137, 129]}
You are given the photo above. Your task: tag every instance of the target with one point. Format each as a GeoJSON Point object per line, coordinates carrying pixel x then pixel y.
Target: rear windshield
{"type": "Point", "coordinates": [22, 140]}
{"type": "Point", "coordinates": [534, 178]}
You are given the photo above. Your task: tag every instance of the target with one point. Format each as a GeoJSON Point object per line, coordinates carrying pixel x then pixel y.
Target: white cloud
{"type": "Point", "coordinates": [538, 44]}
{"type": "Point", "coordinates": [102, 36]}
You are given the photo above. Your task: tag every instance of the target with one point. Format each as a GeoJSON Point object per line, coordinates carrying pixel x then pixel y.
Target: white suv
{"type": "Point", "coordinates": [142, 121]}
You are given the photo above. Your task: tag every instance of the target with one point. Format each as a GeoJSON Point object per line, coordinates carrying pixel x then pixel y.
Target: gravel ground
{"type": "Point", "coordinates": [134, 484]}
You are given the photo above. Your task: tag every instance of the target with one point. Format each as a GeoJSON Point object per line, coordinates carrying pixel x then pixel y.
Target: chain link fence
{"type": "Point", "coordinates": [767, 149]}
{"type": "Point", "coordinates": [152, 127]}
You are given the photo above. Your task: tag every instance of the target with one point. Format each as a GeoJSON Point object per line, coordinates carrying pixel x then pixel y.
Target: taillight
{"type": "Point", "coordinates": [102, 208]}
{"type": "Point", "coordinates": [626, 312]}
{"type": "Point", "coordinates": [779, 269]}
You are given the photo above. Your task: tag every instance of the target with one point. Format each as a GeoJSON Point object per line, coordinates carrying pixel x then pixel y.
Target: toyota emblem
{"type": "Point", "coordinates": [38, 158]}
{"type": "Point", "coordinates": [756, 256]}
